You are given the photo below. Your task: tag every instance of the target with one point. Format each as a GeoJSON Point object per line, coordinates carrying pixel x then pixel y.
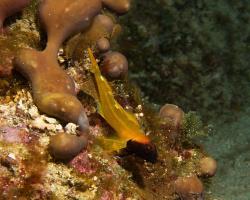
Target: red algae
{"type": "Point", "coordinates": [30, 172]}
{"type": "Point", "coordinates": [84, 164]}
{"type": "Point", "coordinates": [14, 135]}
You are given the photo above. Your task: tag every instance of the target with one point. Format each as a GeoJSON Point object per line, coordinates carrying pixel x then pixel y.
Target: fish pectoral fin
{"type": "Point", "coordinates": [88, 87]}
{"type": "Point", "coordinates": [111, 144]}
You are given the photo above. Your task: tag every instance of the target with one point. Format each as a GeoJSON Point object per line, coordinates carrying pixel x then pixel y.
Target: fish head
{"type": "Point", "coordinates": [146, 151]}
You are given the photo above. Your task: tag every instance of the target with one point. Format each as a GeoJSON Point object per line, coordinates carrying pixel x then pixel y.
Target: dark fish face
{"type": "Point", "coordinates": [145, 151]}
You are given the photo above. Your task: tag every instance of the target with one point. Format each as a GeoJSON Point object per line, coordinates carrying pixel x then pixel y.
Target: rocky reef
{"type": "Point", "coordinates": [72, 125]}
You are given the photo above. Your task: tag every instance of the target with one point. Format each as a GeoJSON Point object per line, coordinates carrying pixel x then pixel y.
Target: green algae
{"type": "Point", "coordinates": [192, 126]}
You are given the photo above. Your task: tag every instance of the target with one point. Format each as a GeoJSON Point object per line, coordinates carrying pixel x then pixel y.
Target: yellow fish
{"type": "Point", "coordinates": [123, 122]}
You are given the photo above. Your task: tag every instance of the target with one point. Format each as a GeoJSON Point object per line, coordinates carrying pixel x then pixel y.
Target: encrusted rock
{"type": "Point", "coordinates": [71, 128]}
{"type": "Point", "coordinates": [42, 122]}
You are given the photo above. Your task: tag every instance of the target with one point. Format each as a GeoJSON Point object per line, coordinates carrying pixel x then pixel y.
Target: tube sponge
{"type": "Point", "coordinates": [66, 17]}
{"type": "Point", "coordinates": [53, 90]}
{"type": "Point", "coordinates": [9, 7]}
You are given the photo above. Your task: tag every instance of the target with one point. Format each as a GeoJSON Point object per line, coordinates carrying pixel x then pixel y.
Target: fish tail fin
{"type": "Point", "coordinates": [94, 66]}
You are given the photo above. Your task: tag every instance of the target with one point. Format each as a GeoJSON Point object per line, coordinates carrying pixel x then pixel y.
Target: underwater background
{"type": "Point", "coordinates": [195, 54]}
{"type": "Point", "coordinates": [74, 126]}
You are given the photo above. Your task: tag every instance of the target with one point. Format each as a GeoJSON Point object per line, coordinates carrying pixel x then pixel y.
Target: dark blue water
{"type": "Point", "coordinates": [195, 53]}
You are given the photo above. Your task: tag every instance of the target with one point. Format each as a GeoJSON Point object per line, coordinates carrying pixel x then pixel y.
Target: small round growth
{"type": "Point", "coordinates": [189, 188]}
{"type": "Point", "coordinates": [208, 166]}
{"type": "Point", "coordinates": [101, 27]}
{"type": "Point", "coordinates": [103, 45]}
{"type": "Point", "coordinates": [64, 146]}
{"type": "Point", "coordinates": [172, 113]}
{"type": "Point", "coordinates": [118, 6]}
{"type": "Point", "coordinates": [114, 65]}
{"type": "Point", "coordinates": [103, 23]}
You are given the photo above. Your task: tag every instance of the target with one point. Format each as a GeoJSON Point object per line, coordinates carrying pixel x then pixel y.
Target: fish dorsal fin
{"type": "Point", "coordinates": [123, 115]}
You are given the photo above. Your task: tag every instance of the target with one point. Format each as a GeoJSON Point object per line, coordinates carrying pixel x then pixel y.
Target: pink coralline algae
{"type": "Point", "coordinates": [14, 135]}
{"type": "Point", "coordinates": [84, 164]}
{"type": "Point", "coordinates": [107, 195]}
